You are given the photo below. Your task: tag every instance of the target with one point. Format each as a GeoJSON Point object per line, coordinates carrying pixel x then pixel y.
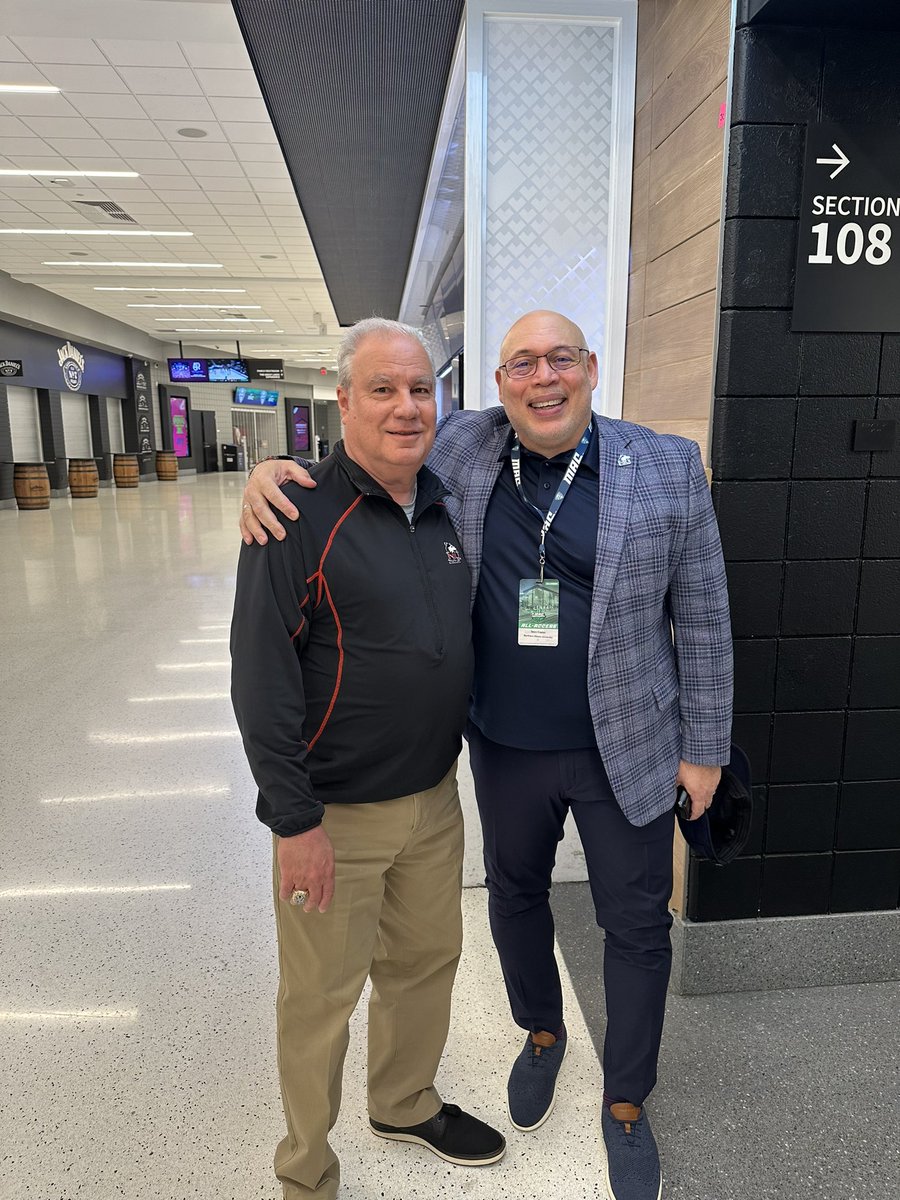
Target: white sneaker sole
{"type": "Point", "coordinates": [418, 1141]}
{"type": "Point", "coordinates": [550, 1107]}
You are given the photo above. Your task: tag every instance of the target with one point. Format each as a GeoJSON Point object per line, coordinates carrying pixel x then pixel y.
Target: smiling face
{"type": "Point", "coordinates": [549, 410]}
{"type": "Point", "coordinates": [389, 409]}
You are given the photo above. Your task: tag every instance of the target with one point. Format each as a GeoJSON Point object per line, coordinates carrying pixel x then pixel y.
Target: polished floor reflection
{"type": "Point", "coordinates": [137, 1045]}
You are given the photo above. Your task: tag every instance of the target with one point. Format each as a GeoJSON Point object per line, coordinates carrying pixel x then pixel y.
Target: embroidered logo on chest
{"type": "Point", "coordinates": [453, 555]}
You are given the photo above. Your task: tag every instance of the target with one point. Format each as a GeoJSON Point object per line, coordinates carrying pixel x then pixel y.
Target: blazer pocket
{"type": "Point", "coordinates": [665, 692]}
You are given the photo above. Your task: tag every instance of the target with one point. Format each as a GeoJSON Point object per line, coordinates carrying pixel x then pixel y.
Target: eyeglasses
{"type": "Point", "coordinates": [563, 358]}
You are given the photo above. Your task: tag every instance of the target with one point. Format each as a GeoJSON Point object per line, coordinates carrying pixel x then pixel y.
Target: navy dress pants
{"type": "Point", "coordinates": [523, 798]}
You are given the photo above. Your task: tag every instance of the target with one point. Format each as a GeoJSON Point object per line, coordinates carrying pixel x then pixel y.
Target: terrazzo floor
{"type": "Point", "coordinates": [136, 936]}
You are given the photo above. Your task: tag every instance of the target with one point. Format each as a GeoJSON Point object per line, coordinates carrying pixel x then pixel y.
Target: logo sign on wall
{"type": "Point", "coordinates": [10, 368]}
{"type": "Point", "coordinates": [848, 256]}
{"type": "Point", "coordinates": [72, 362]}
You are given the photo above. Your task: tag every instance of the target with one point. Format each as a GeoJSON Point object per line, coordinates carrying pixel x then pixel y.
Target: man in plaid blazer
{"type": "Point", "coordinates": [603, 681]}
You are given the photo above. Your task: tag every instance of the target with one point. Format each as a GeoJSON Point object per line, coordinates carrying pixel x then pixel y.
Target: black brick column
{"type": "Point", "coordinates": [7, 491]}
{"type": "Point", "coordinates": [810, 527]}
{"type": "Point", "coordinates": [100, 438]}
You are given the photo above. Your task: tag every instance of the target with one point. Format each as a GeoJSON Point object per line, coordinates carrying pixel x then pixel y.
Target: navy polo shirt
{"type": "Point", "coordinates": [535, 697]}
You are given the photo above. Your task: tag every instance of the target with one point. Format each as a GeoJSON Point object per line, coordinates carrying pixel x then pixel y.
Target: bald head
{"type": "Point", "coordinates": [531, 324]}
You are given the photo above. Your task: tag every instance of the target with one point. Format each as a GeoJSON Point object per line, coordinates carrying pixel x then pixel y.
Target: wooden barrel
{"type": "Point", "coordinates": [166, 465]}
{"type": "Point", "coordinates": [31, 484]}
{"type": "Point", "coordinates": [126, 471]}
{"type": "Point", "coordinates": [84, 479]}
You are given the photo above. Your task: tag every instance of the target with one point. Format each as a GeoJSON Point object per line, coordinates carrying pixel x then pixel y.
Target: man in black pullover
{"type": "Point", "coordinates": [352, 660]}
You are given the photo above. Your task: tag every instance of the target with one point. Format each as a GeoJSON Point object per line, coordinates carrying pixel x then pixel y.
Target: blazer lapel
{"type": "Point", "coordinates": [618, 463]}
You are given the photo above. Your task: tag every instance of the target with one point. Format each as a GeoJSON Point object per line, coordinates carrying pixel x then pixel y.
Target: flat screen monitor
{"type": "Point", "coordinates": [299, 428]}
{"type": "Point", "coordinates": [255, 396]}
{"type": "Point", "coordinates": [181, 442]}
{"type": "Point", "coordinates": [188, 370]}
{"type": "Point", "coordinates": [227, 370]}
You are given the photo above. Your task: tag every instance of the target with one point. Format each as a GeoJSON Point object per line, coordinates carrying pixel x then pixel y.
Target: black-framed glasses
{"type": "Point", "coordinates": [563, 358]}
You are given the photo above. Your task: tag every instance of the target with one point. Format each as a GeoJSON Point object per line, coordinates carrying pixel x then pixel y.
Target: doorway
{"type": "Point", "coordinates": [256, 433]}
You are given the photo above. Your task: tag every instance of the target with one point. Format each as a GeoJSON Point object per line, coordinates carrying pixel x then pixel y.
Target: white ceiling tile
{"type": "Point", "coordinates": [256, 132]}
{"type": "Point", "coordinates": [12, 127]}
{"type": "Point", "coordinates": [9, 53]}
{"type": "Point", "coordinates": [239, 109]}
{"type": "Point", "coordinates": [84, 79]}
{"type": "Point", "coordinates": [169, 129]}
{"type": "Point", "coordinates": [161, 81]}
{"type": "Point", "coordinates": [268, 170]}
{"type": "Point", "coordinates": [59, 50]}
{"type": "Point", "coordinates": [229, 83]}
{"type": "Point", "coordinates": [134, 131]}
{"type": "Point", "coordinates": [98, 151]}
{"type": "Point", "coordinates": [208, 168]}
{"type": "Point", "coordinates": [60, 127]}
{"type": "Point", "coordinates": [269, 187]}
{"type": "Point", "coordinates": [219, 55]}
{"type": "Point", "coordinates": [183, 109]}
{"type": "Point", "coordinates": [173, 195]}
{"type": "Point", "coordinates": [142, 150]}
{"type": "Point", "coordinates": [37, 105]}
{"type": "Point", "coordinates": [22, 72]}
{"type": "Point", "coordinates": [260, 152]}
{"type": "Point", "coordinates": [99, 104]}
{"type": "Point", "coordinates": [201, 151]}
{"type": "Point", "coordinates": [125, 53]}
{"type": "Point", "coordinates": [151, 167]}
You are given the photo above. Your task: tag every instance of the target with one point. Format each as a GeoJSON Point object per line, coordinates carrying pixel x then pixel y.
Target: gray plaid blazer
{"type": "Point", "coordinates": [659, 664]}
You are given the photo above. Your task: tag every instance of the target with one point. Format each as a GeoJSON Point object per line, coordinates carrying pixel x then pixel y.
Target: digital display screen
{"type": "Point", "coordinates": [300, 428]}
{"type": "Point", "coordinates": [181, 442]}
{"type": "Point", "coordinates": [227, 370]}
{"type": "Point", "coordinates": [188, 370]}
{"type": "Point", "coordinates": [255, 396]}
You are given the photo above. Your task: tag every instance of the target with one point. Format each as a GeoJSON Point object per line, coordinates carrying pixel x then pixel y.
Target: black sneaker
{"type": "Point", "coordinates": [632, 1160]}
{"type": "Point", "coordinates": [453, 1135]}
{"type": "Point", "coordinates": [531, 1091]}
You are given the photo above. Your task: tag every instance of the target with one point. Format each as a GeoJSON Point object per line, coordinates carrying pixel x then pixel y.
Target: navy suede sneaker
{"type": "Point", "coordinates": [632, 1160]}
{"type": "Point", "coordinates": [531, 1090]}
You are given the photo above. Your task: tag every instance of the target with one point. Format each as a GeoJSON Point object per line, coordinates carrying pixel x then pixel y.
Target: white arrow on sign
{"type": "Point", "coordinates": [838, 163]}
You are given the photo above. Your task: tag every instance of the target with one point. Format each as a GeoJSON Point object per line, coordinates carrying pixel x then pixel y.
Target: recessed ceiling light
{"type": "Point", "coordinates": [218, 291]}
{"type": "Point", "coordinates": [177, 330]}
{"type": "Point", "coordinates": [103, 232]}
{"type": "Point", "coordinates": [190, 132]}
{"type": "Point", "coordinates": [55, 176]}
{"type": "Point", "coordinates": [99, 262]}
{"type": "Point", "coordinates": [28, 87]}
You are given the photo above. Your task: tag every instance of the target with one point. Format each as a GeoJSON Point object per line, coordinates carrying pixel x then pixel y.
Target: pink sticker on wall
{"type": "Point", "coordinates": [722, 117]}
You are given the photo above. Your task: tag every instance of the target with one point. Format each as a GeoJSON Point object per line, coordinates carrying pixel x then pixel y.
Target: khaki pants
{"type": "Point", "coordinates": [395, 917]}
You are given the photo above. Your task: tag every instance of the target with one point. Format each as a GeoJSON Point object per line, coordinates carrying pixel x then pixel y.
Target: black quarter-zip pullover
{"type": "Point", "coordinates": [351, 648]}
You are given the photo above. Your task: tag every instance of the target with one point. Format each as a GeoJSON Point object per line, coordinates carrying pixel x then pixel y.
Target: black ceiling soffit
{"type": "Point", "coordinates": [846, 14]}
{"type": "Point", "coordinates": [354, 89]}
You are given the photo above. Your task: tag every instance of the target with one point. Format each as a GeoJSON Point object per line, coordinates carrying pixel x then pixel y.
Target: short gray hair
{"type": "Point", "coordinates": [349, 343]}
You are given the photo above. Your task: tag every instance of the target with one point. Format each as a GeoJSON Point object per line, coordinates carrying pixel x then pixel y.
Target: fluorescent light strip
{"type": "Point", "coordinates": [99, 262]}
{"type": "Point", "coordinates": [39, 88]}
{"type": "Point", "coordinates": [65, 174]}
{"type": "Point", "coordinates": [162, 793]}
{"type": "Point", "coordinates": [103, 232]}
{"type": "Point", "coordinates": [154, 739]}
{"type": "Point", "coordinates": [83, 1014]}
{"type": "Point", "coordinates": [180, 696]}
{"type": "Point", "coordinates": [203, 641]}
{"type": "Point", "coordinates": [181, 329]}
{"type": "Point", "coordinates": [219, 306]}
{"type": "Point", "coordinates": [97, 890]}
{"type": "Point", "coordinates": [150, 288]}
{"type": "Point", "coordinates": [223, 320]}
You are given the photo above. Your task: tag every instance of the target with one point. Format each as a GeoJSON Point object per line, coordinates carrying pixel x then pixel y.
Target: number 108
{"type": "Point", "coordinates": [851, 242]}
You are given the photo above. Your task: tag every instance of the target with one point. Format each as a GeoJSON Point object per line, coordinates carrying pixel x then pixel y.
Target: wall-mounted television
{"type": "Point", "coordinates": [257, 396]}
{"type": "Point", "coordinates": [188, 370]}
{"type": "Point", "coordinates": [208, 370]}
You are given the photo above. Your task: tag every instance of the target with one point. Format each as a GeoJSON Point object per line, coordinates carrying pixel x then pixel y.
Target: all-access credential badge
{"type": "Point", "coordinates": [538, 612]}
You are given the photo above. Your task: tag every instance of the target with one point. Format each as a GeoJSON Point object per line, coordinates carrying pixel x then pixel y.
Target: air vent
{"type": "Point", "coordinates": [105, 211]}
